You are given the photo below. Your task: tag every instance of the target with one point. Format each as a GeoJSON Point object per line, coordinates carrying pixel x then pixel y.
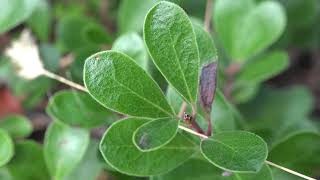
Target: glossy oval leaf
{"type": "Point", "coordinates": [17, 126]}
{"type": "Point", "coordinates": [132, 45]}
{"type": "Point", "coordinates": [155, 134]}
{"type": "Point", "coordinates": [7, 147]}
{"type": "Point", "coordinates": [263, 68]}
{"type": "Point", "coordinates": [78, 109]}
{"type": "Point", "coordinates": [118, 83]}
{"type": "Point", "coordinates": [171, 42]}
{"type": "Point", "coordinates": [28, 162]}
{"type": "Point", "coordinates": [64, 148]}
{"type": "Point", "coordinates": [235, 151]}
{"type": "Point", "coordinates": [14, 12]}
{"type": "Point", "coordinates": [264, 21]}
{"type": "Point", "coordinates": [119, 151]}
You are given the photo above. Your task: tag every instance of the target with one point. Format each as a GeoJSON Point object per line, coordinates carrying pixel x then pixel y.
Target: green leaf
{"type": "Point", "coordinates": [265, 173]}
{"type": "Point", "coordinates": [118, 83]}
{"type": "Point", "coordinates": [119, 151]}
{"type": "Point", "coordinates": [193, 169]}
{"type": "Point", "coordinates": [235, 151]}
{"type": "Point", "coordinates": [132, 13]}
{"type": "Point", "coordinates": [28, 162]}
{"type": "Point", "coordinates": [132, 45]}
{"type": "Point", "coordinates": [90, 166]}
{"type": "Point", "coordinates": [14, 12]}
{"type": "Point", "coordinates": [301, 14]}
{"type": "Point", "coordinates": [198, 169]}
{"type": "Point", "coordinates": [64, 148]}
{"type": "Point", "coordinates": [155, 134]}
{"type": "Point", "coordinates": [78, 109]}
{"type": "Point", "coordinates": [40, 20]}
{"type": "Point", "coordinates": [7, 147]}
{"type": "Point", "coordinates": [222, 114]}
{"type": "Point", "coordinates": [298, 152]}
{"type": "Point", "coordinates": [261, 25]}
{"type": "Point", "coordinates": [206, 47]}
{"type": "Point", "coordinates": [17, 126]}
{"type": "Point", "coordinates": [174, 99]}
{"type": "Point", "coordinates": [281, 108]}
{"type": "Point", "coordinates": [171, 42]}
{"type": "Point", "coordinates": [96, 34]}
{"type": "Point", "coordinates": [263, 68]}
{"type": "Point", "coordinates": [72, 32]}
{"type": "Point", "coordinates": [5, 174]}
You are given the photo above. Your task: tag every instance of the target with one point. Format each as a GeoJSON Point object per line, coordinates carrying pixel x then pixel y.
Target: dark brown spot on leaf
{"type": "Point", "coordinates": [208, 81]}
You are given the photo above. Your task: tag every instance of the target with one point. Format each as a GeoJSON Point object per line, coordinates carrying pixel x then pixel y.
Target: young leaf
{"type": "Point", "coordinates": [78, 109]}
{"type": "Point", "coordinates": [155, 134]}
{"type": "Point", "coordinates": [28, 162]}
{"type": "Point", "coordinates": [14, 12]}
{"type": "Point", "coordinates": [132, 45]}
{"type": "Point", "coordinates": [206, 47]}
{"type": "Point", "coordinates": [265, 22]}
{"type": "Point", "coordinates": [17, 126]}
{"type": "Point", "coordinates": [64, 148]}
{"type": "Point", "coordinates": [263, 68]}
{"type": "Point", "coordinates": [298, 152]}
{"type": "Point", "coordinates": [7, 147]}
{"type": "Point", "coordinates": [119, 151]}
{"type": "Point", "coordinates": [235, 151]}
{"type": "Point", "coordinates": [208, 61]}
{"type": "Point", "coordinates": [171, 42]}
{"type": "Point", "coordinates": [118, 83]}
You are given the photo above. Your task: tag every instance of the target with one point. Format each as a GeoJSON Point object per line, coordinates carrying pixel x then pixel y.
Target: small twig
{"type": "Point", "coordinates": [64, 81]}
{"type": "Point", "coordinates": [78, 86]}
{"type": "Point", "coordinates": [208, 118]}
{"type": "Point", "coordinates": [193, 132]}
{"type": "Point", "coordinates": [267, 162]}
{"type": "Point", "coordinates": [208, 15]}
{"type": "Point", "coordinates": [289, 171]}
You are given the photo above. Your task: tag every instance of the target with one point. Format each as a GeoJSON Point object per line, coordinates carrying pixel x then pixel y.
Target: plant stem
{"type": "Point", "coordinates": [289, 171]}
{"type": "Point", "coordinates": [208, 15]}
{"type": "Point", "coordinates": [78, 86]}
{"type": "Point", "coordinates": [64, 81]}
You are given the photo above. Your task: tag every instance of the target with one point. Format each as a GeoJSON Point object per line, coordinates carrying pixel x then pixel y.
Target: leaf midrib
{"type": "Point", "coordinates": [141, 97]}
{"type": "Point", "coordinates": [180, 68]}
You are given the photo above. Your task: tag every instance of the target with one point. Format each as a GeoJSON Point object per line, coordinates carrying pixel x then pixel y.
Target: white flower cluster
{"type": "Point", "coordinates": [25, 55]}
